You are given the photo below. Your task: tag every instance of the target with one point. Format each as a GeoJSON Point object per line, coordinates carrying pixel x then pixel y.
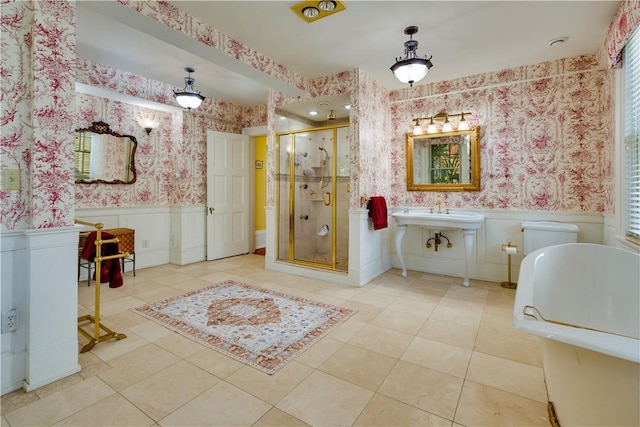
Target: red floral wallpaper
{"type": "Point", "coordinates": [38, 101]}
{"type": "Point", "coordinates": [547, 139]}
{"type": "Point", "coordinates": [624, 23]}
{"type": "Point", "coordinates": [546, 136]}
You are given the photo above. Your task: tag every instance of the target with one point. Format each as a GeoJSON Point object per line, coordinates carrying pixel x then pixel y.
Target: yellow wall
{"type": "Point", "coordinates": [261, 182]}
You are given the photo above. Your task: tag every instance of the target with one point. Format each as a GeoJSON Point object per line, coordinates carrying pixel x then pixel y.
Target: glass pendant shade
{"type": "Point", "coordinates": [463, 124]}
{"type": "Point", "coordinates": [189, 100]}
{"type": "Point", "coordinates": [432, 127]}
{"type": "Point", "coordinates": [411, 68]}
{"type": "Point", "coordinates": [188, 97]}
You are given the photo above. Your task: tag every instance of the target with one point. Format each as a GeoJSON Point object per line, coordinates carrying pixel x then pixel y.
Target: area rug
{"type": "Point", "coordinates": [262, 328]}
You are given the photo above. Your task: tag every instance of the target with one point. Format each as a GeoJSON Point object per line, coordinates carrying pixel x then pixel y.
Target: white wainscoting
{"type": "Point", "coordinates": [188, 240]}
{"type": "Point", "coordinates": [372, 252]}
{"type": "Point", "coordinates": [165, 234]}
{"type": "Point", "coordinates": [37, 267]}
{"type": "Point", "coordinates": [261, 239]}
{"type": "Point", "coordinates": [489, 261]}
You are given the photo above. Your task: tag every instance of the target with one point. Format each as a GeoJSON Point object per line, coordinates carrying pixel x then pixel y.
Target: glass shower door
{"type": "Point", "coordinates": [313, 197]}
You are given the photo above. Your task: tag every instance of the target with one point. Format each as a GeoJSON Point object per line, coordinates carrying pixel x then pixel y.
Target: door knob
{"type": "Point", "coordinates": [211, 210]}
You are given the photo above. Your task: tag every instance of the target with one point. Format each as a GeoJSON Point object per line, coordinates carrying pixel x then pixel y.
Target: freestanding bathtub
{"type": "Point", "coordinates": [584, 300]}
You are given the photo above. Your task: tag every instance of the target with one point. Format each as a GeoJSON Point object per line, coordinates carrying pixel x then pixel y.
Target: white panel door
{"type": "Point", "coordinates": [227, 194]}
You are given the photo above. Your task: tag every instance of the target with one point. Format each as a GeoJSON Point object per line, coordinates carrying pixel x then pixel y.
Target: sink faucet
{"type": "Point", "coordinates": [439, 203]}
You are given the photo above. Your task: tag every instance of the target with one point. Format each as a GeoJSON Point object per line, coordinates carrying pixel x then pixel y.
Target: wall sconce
{"type": "Point", "coordinates": [440, 117]}
{"type": "Point", "coordinates": [148, 125]}
{"type": "Point", "coordinates": [411, 69]}
{"type": "Point", "coordinates": [188, 97]}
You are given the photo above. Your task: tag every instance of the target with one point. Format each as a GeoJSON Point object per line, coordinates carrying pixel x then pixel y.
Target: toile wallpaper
{"type": "Point", "coordinates": [547, 129]}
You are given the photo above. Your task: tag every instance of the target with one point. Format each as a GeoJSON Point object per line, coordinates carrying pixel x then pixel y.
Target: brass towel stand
{"type": "Point", "coordinates": [95, 319]}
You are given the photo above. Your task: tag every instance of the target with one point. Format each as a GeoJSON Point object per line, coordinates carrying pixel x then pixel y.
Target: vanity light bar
{"type": "Point", "coordinates": [440, 117]}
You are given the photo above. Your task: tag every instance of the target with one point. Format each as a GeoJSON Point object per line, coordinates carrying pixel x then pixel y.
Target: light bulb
{"type": "Point", "coordinates": [432, 127]}
{"type": "Point", "coordinates": [446, 127]}
{"type": "Point", "coordinates": [327, 5]}
{"type": "Point", "coordinates": [310, 12]}
{"type": "Point", "coordinates": [463, 124]}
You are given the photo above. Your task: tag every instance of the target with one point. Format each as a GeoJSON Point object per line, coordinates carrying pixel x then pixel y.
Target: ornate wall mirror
{"type": "Point", "coordinates": [444, 161]}
{"type": "Point", "coordinates": [104, 156]}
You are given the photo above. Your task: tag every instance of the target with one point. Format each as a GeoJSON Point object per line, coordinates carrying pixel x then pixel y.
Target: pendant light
{"type": "Point", "coordinates": [188, 97]}
{"type": "Point", "coordinates": [411, 69]}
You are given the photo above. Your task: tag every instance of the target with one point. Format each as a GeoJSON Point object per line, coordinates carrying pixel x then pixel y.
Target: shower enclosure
{"type": "Point", "coordinates": [313, 197]}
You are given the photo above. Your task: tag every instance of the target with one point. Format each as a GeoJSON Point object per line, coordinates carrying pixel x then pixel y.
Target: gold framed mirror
{"type": "Point", "coordinates": [104, 156]}
{"type": "Point", "coordinates": [444, 161]}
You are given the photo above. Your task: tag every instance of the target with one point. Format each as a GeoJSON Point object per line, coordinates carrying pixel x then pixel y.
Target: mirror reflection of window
{"type": "Point", "coordinates": [444, 161]}
{"type": "Point", "coordinates": [82, 155]}
{"type": "Point", "coordinates": [104, 156]}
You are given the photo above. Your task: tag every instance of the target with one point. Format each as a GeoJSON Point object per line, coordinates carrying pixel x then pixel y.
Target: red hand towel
{"type": "Point", "coordinates": [110, 269]}
{"type": "Point", "coordinates": [378, 212]}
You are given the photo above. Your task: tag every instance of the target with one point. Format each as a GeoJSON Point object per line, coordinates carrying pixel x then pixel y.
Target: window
{"type": "Point", "coordinates": [632, 137]}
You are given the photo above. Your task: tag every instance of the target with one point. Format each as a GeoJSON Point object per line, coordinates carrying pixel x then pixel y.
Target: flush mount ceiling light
{"type": "Point", "coordinates": [411, 69]}
{"type": "Point", "coordinates": [188, 97]}
{"type": "Point", "coordinates": [313, 10]}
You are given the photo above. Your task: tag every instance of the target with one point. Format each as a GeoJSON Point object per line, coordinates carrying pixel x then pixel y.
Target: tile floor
{"type": "Point", "coordinates": [421, 351]}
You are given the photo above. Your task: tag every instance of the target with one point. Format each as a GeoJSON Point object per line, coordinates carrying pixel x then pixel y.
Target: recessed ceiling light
{"type": "Point", "coordinates": [557, 40]}
{"type": "Point", "coordinates": [347, 107]}
{"type": "Point", "coordinates": [310, 12]}
{"type": "Point", "coordinates": [313, 113]}
{"type": "Point", "coordinates": [327, 5]}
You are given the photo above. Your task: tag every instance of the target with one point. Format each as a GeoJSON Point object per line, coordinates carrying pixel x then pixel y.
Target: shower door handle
{"type": "Point", "coordinates": [327, 198]}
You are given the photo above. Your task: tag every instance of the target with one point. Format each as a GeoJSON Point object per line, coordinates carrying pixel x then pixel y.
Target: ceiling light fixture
{"type": "Point", "coordinates": [312, 10]}
{"type": "Point", "coordinates": [446, 125]}
{"type": "Point", "coordinates": [327, 5]}
{"type": "Point", "coordinates": [188, 97]}
{"type": "Point", "coordinates": [411, 69]}
{"type": "Point", "coordinates": [331, 116]}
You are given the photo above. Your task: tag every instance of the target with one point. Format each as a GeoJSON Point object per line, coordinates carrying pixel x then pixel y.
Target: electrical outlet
{"type": "Point", "coordinates": [145, 243]}
{"type": "Point", "coordinates": [10, 321]}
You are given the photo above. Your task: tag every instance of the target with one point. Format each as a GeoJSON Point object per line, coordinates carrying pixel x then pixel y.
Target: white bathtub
{"type": "Point", "coordinates": [591, 365]}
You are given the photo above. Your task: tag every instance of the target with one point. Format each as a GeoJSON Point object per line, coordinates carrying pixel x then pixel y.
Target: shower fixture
{"type": "Point", "coordinates": [326, 154]}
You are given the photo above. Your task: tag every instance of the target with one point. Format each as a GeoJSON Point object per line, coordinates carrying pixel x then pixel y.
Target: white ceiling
{"type": "Point", "coordinates": [464, 37]}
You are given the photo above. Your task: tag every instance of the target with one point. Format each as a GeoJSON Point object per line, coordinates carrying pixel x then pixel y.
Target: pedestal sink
{"type": "Point", "coordinates": [466, 221]}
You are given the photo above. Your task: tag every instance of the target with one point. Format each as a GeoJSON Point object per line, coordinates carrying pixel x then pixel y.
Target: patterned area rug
{"type": "Point", "coordinates": [259, 327]}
